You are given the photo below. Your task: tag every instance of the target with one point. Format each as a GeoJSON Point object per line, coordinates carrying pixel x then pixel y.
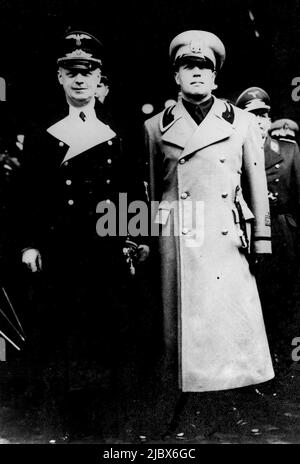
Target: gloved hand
{"type": "Point", "coordinates": [32, 258]}
{"type": "Point", "coordinates": [142, 253]}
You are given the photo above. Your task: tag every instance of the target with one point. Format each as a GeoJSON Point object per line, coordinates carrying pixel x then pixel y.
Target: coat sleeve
{"type": "Point", "coordinates": [254, 170]}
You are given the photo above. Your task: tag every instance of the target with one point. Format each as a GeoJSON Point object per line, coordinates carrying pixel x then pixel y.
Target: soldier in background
{"type": "Point", "coordinates": [278, 278]}
{"type": "Point", "coordinates": [284, 129]}
{"type": "Point", "coordinates": [102, 89]}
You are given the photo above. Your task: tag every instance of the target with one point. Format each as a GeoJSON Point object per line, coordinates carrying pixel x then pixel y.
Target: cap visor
{"type": "Point", "coordinates": [257, 105]}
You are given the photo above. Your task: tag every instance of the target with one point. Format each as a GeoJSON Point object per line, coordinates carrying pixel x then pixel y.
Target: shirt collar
{"type": "Point", "coordinates": [198, 111]}
{"type": "Point", "coordinates": [88, 110]}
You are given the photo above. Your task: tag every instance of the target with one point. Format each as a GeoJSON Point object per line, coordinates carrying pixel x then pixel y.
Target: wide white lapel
{"type": "Point", "coordinates": [181, 128]}
{"type": "Point", "coordinates": [80, 136]}
{"type": "Point", "coordinates": [212, 129]}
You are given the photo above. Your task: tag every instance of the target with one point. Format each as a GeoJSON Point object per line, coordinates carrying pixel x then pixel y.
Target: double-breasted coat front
{"type": "Point", "coordinates": [71, 166]}
{"type": "Point", "coordinates": [213, 322]}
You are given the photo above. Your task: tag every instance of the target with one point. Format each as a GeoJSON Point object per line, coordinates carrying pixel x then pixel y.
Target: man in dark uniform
{"type": "Point", "coordinates": [74, 170]}
{"type": "Point", "coordinates": [277, 280]}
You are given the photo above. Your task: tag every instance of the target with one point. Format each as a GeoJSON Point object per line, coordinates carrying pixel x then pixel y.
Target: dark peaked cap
{"type": "Point", "coordinates": [80, 50]}
{"type": "Point", "coordinates": [253, 98]}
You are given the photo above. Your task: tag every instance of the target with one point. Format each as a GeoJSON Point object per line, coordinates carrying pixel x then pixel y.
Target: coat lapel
{"type": "Point", "coordinates": [182, 128]}
{"type": "Point", "coordinates": [80, 136]}
{"type": "Point", "coordinates": [186, 134]}
{"type": "Point", "coordinates": [212, 129]}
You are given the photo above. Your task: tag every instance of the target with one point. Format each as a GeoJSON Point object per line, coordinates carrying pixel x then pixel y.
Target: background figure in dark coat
{"type": "Point", "coordinates": [74, 170]}
{"type": "Point", "coordinates": [278, 279]}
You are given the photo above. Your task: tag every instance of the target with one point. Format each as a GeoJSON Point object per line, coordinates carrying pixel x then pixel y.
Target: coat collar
{"type": "Point", "coordinates": [80, 136]}
{"type": "Point", "coordinates": [185, 133]}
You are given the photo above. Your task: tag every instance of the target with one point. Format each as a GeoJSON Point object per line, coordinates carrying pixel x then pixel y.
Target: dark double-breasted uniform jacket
{"type": "Point", "coordinates": [70, 166]}
{"type": "Point", "coordinates": [278, 277]}
{"type": "Point", "coordinates": [282, 164]}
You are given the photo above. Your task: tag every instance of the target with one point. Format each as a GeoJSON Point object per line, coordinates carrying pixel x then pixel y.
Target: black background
{"type": "Point", "coordinates": [136, 35]}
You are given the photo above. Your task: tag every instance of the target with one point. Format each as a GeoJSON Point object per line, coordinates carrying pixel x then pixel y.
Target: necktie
{"type": "Point", "coordinates": [198, 114]}
{"type": "Point", "coordinates": [82, 116]}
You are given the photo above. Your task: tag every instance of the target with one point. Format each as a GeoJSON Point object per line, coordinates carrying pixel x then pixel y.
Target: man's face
{"type": "Point", "coordinates": [102, 92]}
{"type": "Point", "coordinates": [196, 81]}
{"type": "Point", "coordinates": [80, 85]}
{"type": "Point", "coordinates": [264, 121]}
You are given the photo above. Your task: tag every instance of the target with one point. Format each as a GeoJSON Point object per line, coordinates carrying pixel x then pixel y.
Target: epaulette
{"type": "Point", "coordinates": [228, 114]}
{"type": "Point", "coordinates": [167, 119]}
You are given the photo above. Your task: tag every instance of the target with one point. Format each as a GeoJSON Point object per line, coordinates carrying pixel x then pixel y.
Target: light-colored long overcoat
{"type": "Point", "coordinates": [213, 321]}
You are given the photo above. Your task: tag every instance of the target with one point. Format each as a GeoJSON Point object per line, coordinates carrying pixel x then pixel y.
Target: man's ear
{"type": "Point", "coordinates": [59, 76]}
{"type": "Point", "coordinates": [176, 77]}
{"type": "Point", "coordinates": [98, 75]}
{"type": "Point", "coordinates": [214, 86]}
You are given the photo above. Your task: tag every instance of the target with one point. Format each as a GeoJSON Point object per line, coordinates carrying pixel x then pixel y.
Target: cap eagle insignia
{"type": "Point", "coordinates": [78, 38]}
{"type": "Point", "coordinates": [196, 46]}
{"type": "Point", "coordinates": [253, 93]}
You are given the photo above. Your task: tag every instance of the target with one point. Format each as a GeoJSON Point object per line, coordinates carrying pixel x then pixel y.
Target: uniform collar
{"type": "Point", "coordinates": [88, 110]}
{"type": "Point", "coordinates": [185, 133]}
{"type": "Point", "coordinates": [198, 111]}
{"type": "Point", "coordinates": [81, 135]}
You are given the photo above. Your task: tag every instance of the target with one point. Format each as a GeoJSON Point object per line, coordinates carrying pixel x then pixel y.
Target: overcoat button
{"type": "Point", "coordinates": [222, 160]}
{"type": "Point", "coordinates": [276, 180]}
{"type": "Point", "coordinates": [224, 195]}
{"type": "Point", "coordinates": [276, 194]}
{"type": "Point", "coordinates": [107, 201]}
{"type": "Point", "coordinates": [182, 161]}
{"type": "Point", "coordinates": [109, 142]}
{"type": "Point", "coordinates": [185, 231]}
{"type": "Point", "coordinates": [108, 181]}
{"type": "Point", "coordinates": [68, 182]}
{"type": "Point", "coordinates": [66, 163]}
{"type": "Point", "coordinates": [184, 195]}
{"type": "Point", "coordinates": [225, 232]}
{"type": "Point", "coordinates": [70, 202]}
{"type": "Point", "coordinates": [277, 166]}
{"type": "Point", "coordinates": [109, 161]}
{"type": "Point", "coordinates": [61, 144]}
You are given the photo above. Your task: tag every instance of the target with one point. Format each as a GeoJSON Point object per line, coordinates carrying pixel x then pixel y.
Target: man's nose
{"type": "Point", "coordinates": [197, 70]}
{"type": "Point", "coordinates": [79, 78]}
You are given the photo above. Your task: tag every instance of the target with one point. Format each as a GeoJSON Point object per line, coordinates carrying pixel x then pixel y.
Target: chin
{"type": "Point", "coordinates": [198, 95]}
